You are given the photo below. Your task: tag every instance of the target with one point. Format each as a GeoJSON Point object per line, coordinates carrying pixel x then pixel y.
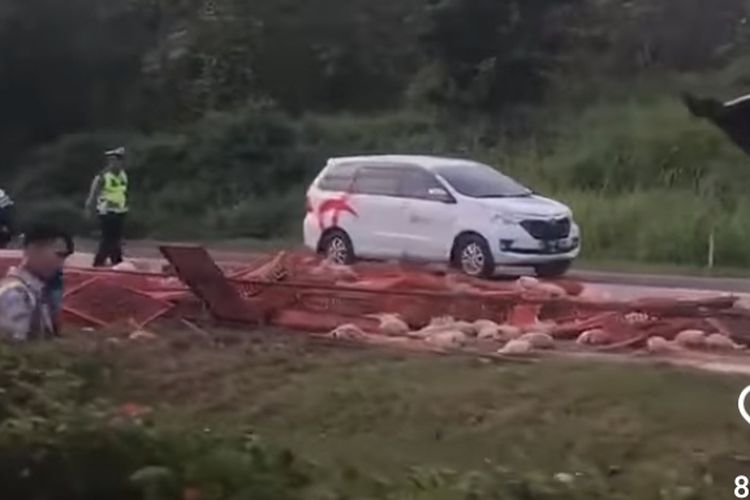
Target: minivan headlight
{"type": "Point", "coordinates": [506, 218]}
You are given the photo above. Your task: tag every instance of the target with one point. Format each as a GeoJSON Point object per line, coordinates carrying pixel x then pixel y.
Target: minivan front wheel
{"type": "Point", "coordinates": [473, 257]}
{"type": "Point", "coordinates": [337, 247]}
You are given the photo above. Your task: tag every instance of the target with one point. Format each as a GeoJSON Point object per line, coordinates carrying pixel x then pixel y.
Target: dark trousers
{"type": "Point", "coordinates": [110, 242]}
{"type": "Point", "coordinates": [6, 226]}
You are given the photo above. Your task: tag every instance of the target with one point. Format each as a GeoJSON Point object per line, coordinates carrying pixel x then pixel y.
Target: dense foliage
{"type": "Point", "coordinates": [230, 106]}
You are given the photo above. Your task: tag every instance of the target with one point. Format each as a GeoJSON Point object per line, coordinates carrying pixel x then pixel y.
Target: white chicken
{"type": "Point", "coordinates": [489, 333]}
{"type": "Point", "coordinates": [596, 337]}
{"type": "Point", "coordinates": [126, 266]}
{"type": "Point", "coordinates": [552, 290]}
{"type": "Point", "coordinates": [692, 339]}
{"type": "Point", "coordinates": [392, 325]}
{"type": "Point", "coordinates": [527, 283]}
{"type": "Point", "coordinates": [446, 339]}
{"type": "Point", "coordinates": [509, 332]}
{"type": "Point", "coordinates": [538, 340]}
{"type": "Point", "coordinates": [442, 321]}
{"type": "Point", "coordinates": [487, 330]}
{"type": "Point", "coordinates": [446, 323]}
{"type": "Point", "coordinates": [517, 347]}
{"type": "Point", "coordinates": [347, 332]}
{"type": "Point", "coordinates": [466, 328]}
{"type": "Point", "coordinates": [530, 284]}
{"type": "Point", "coordinates": [484, 323]}
{"type": "Point", "coordinates": [660, 345]}
{"type": "Point", "coordinates": [719, 342]}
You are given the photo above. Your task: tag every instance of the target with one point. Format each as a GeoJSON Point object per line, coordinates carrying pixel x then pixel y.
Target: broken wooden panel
{"type": "Point", "coordinates": [195, 267]}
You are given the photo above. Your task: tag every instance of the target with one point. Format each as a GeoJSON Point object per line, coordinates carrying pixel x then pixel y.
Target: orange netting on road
{"type": "Point", "coordinates": [302, 292]}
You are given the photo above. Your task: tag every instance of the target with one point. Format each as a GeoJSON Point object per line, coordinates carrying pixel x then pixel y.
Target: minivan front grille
{"type": "Point", "coordinates": [554, 229]}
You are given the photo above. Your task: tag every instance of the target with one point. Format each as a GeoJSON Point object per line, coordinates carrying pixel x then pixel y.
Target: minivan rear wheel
{"type": "Point", "coordinates": [337, 247]}
{"type": "Point", "coordinates": [473, 257]}
{"type": "Point", "coordinates": [553, 269]}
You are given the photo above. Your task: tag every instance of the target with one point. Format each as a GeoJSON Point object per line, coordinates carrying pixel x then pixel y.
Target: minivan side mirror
{"type": "Point", "coordinates": [440, 194]}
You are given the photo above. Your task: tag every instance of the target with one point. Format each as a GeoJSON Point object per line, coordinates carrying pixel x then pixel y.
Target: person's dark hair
{"type": "Point", "coordinates": [45, 233]}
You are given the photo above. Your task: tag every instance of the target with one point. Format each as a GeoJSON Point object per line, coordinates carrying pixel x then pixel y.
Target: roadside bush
{"type": "Point", "coordinates": [58, 443]}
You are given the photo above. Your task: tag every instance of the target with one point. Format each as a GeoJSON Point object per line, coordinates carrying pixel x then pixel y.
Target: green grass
{"type": "Point", "coordinates": [663, 269]}
{"type": "Point", "coordinates": [634, 429]}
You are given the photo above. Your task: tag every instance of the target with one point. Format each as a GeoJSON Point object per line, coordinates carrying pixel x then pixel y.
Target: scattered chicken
{"type": "Point", "coordinates": [509, 332]}
{"type": "Point", "coordinates": [527, 283]}
{"type": "Point", "coordinates": [660, 345]}
{"type": "Point", "coordinates": [484, 323]}
{"type": "Point", "coordinates": [126, 266]}
{"type": "Point", "coordinates": [552, 290]}
{"type": "Point", "coordinates": [530, 284]}
{"type": "Point", "coordinates": [489, 333]}
{"type": "Point", "coordinates": [596, 337]}
{"type": "Point", "coordinates": [437, 325]}
{"type": "Point", "coordinates": [719, 342]}
{"type": "Point", "coordinates": [694, 339]}
{"type": "Point", "coordinates": [486, 329]}
{"type": "Point", "coordinates": [447, 339]}
{"type": "Point", "coordinates": [516, 347]}
{"type": "Point", "coordinates": [442, 321]}
{"type": "Point", "coordinates": [392, 325]}
{"type": "Point", "coordinates": [539, 340]}
{"type": "Point", "coordinates": [466, 328]}
{"type": "Point", "coordinates": [347, 332]}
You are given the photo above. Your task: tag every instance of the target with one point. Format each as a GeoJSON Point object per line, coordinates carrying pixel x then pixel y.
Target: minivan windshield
{"type": "Point", "coordinates": [481, 181]}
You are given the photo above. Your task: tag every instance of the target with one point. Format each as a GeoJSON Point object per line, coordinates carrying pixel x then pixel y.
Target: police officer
{"type": "Point", "coordinates": [6, 219]}
{"type": "Point", "coordinates": [109, 194]}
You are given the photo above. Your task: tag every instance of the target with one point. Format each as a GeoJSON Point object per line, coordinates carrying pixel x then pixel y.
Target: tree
{"type": "Point", "coordinates": [496, 52]}
{"type": "Point", "coordinates": [66, 66]}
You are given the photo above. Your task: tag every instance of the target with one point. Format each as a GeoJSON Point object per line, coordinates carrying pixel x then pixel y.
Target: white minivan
{"type": "Point", "coordinates": [433, 209]}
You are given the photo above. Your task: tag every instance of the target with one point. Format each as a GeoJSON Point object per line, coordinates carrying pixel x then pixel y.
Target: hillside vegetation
{"type": "Point", "coordinates": [229, 107]}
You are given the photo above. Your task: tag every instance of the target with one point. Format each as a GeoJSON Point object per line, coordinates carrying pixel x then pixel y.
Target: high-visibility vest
{"type": "Point", "coordinates": [113, 197]}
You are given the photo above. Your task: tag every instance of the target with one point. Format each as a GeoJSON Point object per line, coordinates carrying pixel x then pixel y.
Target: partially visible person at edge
{"type": "Point", "coordinates": [27, 301]}
{"type": "Point", "coordinates": [109, 197]}
{"type": "Point", "coordinates": [6, 219]}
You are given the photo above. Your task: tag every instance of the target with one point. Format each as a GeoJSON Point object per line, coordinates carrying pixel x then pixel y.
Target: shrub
{"type": "Point", "coordinates": [57, 443]}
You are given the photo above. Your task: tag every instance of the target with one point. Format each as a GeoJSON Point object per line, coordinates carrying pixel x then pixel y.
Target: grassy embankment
{"type": "Point", "coordinates": [378, 425]}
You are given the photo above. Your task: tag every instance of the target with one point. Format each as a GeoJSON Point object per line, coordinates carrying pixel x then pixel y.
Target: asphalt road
{"type": "Point", "coordinates": [149, 249]}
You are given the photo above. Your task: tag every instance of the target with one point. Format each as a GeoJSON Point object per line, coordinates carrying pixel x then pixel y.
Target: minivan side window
{"type": "Point", "coordinates": [376, 181]}
{"type": "Point", "coordinates": [339, 177]}
{"type": "Point", "coordinates": [416, 183]}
